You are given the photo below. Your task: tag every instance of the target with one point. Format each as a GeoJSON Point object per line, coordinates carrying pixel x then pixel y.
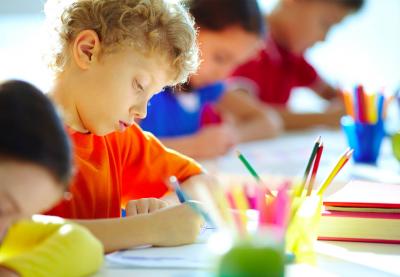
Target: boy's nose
{"type": "Point", "coordinates": [322, 37]}
{"type": "Point", "coordinates": [140, 114]}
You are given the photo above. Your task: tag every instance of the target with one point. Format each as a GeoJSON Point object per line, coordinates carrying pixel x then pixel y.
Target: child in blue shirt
{"type": "Point", "coordinates": [181, 117]}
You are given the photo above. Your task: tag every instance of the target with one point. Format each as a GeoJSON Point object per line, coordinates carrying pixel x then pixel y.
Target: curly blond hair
{"type": "Point", "coordinates": [154, 26]}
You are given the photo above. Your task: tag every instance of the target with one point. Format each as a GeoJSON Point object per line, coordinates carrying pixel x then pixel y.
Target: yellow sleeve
{"type": "Point", "coordinates": [49, 246]}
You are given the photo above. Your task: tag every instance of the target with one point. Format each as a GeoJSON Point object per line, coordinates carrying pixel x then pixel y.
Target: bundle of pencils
{"type": "Point", "coordinates": [277, 209]}
{"type": "Point", "coordinates": [365, 107]}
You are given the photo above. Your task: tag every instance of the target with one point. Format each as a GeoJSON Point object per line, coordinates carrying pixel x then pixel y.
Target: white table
{"type": "Point", "coordinates": [288, 155]}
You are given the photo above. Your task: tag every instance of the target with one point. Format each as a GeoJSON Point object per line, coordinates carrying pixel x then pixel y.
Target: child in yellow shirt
{"type": "Point", "coordinates": [35, 168]}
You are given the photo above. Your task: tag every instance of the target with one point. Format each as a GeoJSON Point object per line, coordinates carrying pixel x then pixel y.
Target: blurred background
{"type": "Point", "coordinates": [365, 48]}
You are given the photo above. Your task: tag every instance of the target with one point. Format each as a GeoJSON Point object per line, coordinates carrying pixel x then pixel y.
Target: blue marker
{"type": "Point", "coordinates": [184, 198]}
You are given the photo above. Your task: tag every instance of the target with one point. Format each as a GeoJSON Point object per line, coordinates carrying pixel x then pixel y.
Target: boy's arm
{"type": "Point", "coordinates": [249, 121]}
{"type": "Point", "coordinates": [209, 142]}
{"type": "Point", "coordinates": [171, 226]}
{"type": "Point", "coordinates": [325, 90]}
{"type": "Point", "coordinates": [297, 121]}
{"type": "Point", "coordinates": [250, 117]}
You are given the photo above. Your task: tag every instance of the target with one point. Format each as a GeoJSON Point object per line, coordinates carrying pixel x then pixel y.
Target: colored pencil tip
{"type": "Point", "coordinates": [349, 153]}
{"type": "Point", "coordinates": [174, 182]}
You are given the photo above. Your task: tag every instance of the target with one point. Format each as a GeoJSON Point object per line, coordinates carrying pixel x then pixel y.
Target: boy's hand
{"type": "Point", "coordinates": [175, 225]}
{"type": "Point", "coordinates": [144, 206]}
{"type": "Point", "coordinates": [215, 140]}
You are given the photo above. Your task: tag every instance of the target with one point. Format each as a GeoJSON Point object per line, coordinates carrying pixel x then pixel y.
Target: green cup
{"type": "Point", "coordinates": [257, 255]}
{"type": "Point", "coordinates": [396, 145]}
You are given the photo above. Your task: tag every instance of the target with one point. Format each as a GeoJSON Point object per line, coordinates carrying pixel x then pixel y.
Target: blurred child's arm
{"type": "Point", "coordinates": [248, 120]}
{"type": "Point", "coordinates": [251, 119]}
{"type": "Point", "coordinates": [297, 121]}
{"type": "Point", "coordinates": [209, 142]}
{"type": "Point", "coordinates": [324, 90]}
{"type": "Point", "coordinates": [171, 226]}
{"type": "Point", "coordinates": [45, 248]}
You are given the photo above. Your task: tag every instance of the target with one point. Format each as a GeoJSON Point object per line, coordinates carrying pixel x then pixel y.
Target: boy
{"type": "Point", "coordinates": [295, 26]}
{"type": "Point", "coordinates": [110, 58]}
{"type": "Point", "coordinates": [207, 108]}
{"type": "Point", "coordinates": [35, 169]}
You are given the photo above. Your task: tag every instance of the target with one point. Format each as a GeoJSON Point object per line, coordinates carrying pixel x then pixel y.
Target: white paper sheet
{"type": "Point", "coordinates": [187, 256]}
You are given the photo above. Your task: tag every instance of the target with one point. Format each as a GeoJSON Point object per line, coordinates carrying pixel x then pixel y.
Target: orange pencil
{"type": "Point", "coordinates": [348, 103]}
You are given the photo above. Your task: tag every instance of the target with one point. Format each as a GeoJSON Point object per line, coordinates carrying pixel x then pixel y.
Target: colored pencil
{"type": "Point", "coordinates": [339, 165]}
{"type": "Point", "coordinates": [248, 166]}
{"type": "Point", "coordinates": [315, 169]}
{"type": "Point", "coordinates": [381, 101]}
{"type": "Point", "coordinates": [183, 198]}
{"type": "Point", "coordinates": [252, 171]}
{"type": "Point", "coordinates": [361, 105]}
{"type": "Point", "coordinates": [348, 103]}
{"type": "Point", "coordinates": [309, 164]}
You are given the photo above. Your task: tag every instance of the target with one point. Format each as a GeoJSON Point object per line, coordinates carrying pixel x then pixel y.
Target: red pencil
{"type": "Point", "coordinates": [315, 168]}
{"type": "Point", "coordinates": [361, 104]}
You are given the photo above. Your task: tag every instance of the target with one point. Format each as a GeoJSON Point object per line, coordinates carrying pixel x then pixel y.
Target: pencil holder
{"type": "Point", "coordinates": [302, 230]}
{"type": "Point", "coordinates": [396, 145]}
{"type": "Point", "coordinates": [259, 254]}
{"type": "Point", "coordinates": [364, 138]}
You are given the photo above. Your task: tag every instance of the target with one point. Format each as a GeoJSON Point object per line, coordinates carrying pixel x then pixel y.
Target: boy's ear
{"type": "Point", "coordinates": [86, 47]}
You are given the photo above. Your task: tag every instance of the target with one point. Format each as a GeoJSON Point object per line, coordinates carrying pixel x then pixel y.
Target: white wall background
{"type": "Point", "coordinates": [365, 48]}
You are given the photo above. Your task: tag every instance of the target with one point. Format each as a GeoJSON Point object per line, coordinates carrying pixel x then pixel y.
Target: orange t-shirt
{"type": "Point", "coordinates": [116, 168]}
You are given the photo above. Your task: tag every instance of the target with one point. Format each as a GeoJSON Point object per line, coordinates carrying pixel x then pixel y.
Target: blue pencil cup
{"type": "Point", "coordinates": [364, 138]}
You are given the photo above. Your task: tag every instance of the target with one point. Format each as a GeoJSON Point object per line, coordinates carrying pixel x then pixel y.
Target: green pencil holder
{"type": "Point", "coordinates": [255, 255]}
{"type": "Point", "coordinates": [302, 230]}
{"type": "Point", "coordinates": [396, 145]}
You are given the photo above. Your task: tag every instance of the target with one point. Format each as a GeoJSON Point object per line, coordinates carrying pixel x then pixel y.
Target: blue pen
{"type": "Point", "coordinates": [184, 198]}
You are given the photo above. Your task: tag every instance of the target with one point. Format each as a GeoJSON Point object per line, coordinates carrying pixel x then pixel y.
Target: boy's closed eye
{"type": "Point", "coordinates": [138, 86]}
{"type": "Point", "coordinates": [221, 58]}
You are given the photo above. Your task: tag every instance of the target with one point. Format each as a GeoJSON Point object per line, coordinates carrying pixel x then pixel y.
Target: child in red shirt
{"type": "Point", "coordinates": [294, 27]}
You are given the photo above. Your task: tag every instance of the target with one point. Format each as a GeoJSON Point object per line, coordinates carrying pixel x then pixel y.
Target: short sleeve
{"type": "Point", "coordinates": [147, 164]}
{"type": "Point", "coordinates": [211, 93]}
{"type": "Point", "coordinates": [306, 73]}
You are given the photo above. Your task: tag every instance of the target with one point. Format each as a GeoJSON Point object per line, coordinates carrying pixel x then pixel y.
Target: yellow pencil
{"type": "Point", "coordinates": [241, 204]}
{"type": "Point", "coordinates": [223, 206]}
{"type": "Point", "coordinates": [372, 108]}
{"type": "Point", "coordinates": [343, 159]}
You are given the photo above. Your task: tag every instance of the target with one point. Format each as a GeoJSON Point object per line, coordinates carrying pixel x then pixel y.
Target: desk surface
{"type": "Point", "coordinates": [287, 156]}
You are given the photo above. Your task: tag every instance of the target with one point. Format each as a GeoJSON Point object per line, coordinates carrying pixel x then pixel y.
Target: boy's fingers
{"type": "Point", "coordinates": [143, 206]}
{"type": "Point", "coordinates": [162, 204]}
{"type": "Point", "coordinates": [131, 210]}
{"type": "Point", "coordinates": [153, 206]}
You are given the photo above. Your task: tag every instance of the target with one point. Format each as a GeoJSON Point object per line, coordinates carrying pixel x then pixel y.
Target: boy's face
{"type": "Point", "coordinates": [25, 189]}
{"type": "Point", "coordinates": [308, 22]}
{"type": "Point", "coordinates": [115, 89]}
{"type": "Point", "coordinates": [222, 52]}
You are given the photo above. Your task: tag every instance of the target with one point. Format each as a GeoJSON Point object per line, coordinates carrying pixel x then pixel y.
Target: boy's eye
{"type": "Point", "coordinates": [137, 85]}
{"type": "Point", "coordinates": [220, 58]}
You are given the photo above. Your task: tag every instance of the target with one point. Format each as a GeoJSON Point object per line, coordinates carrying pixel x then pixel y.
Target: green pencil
{"type": "Point", "coordinates": [252, 170]}
{"type": "Point", "coordinates": [310, 162]}
{"type": "Point", "coordinates": [248, 166]}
